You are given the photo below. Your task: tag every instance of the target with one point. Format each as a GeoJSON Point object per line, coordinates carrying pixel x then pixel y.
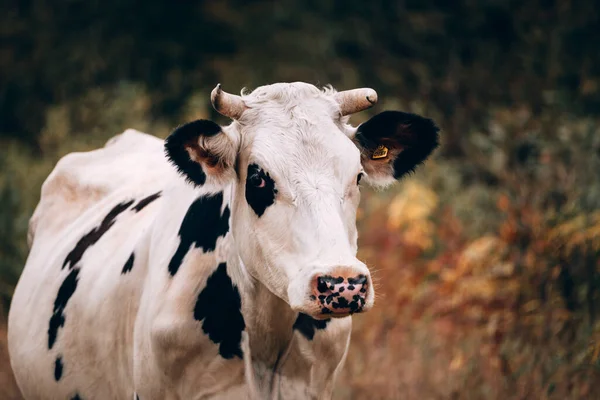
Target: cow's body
{"type": "Point", "coordinates": [142, 285]}
{"type": "Point", "coordinates": [111, 342]}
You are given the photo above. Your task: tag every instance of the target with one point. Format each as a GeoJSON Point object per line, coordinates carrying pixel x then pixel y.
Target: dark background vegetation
{"type": "Point", "coordinates": [487, 258]}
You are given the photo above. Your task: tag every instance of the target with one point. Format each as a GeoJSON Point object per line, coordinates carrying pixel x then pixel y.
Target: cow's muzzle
{"type": "Point", "coordinates": [341, 293]}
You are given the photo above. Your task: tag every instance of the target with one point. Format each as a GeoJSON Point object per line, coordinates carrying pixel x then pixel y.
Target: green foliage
{"type": "Point", "coordinates": [450, 59]}
{"type": "Point", "coordinates": [12, 230]}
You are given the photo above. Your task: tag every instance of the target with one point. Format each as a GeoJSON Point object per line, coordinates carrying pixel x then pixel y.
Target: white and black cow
{"type": "Point", "coordinates": [223, 285]}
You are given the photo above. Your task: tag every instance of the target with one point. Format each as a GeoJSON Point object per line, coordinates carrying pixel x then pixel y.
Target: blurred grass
{"type": "Point", "coordinates": [486, 260]}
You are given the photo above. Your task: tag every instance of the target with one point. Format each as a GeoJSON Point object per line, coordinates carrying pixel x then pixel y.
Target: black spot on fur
{"type": "Point", "coordinates": [90, 238]}
{"type": "Point", "coordinates": [416, 135]}
{"type": "Point", "coordinates": [58, 369]}
{"type": "Point", "coordinates": [145, 201]}
{"type": "Point", "coordinates": [137, 397]}
{"type": "Point", "coordinates": [259, 198]}
{"type": "Point", "coordinates": [69, 285]}
{"type": "Point", "coordinates": [202, 225]}
{"type": "Point", "coordinates": [184, 136]}
{"type": "Point", "coordinates": [129, 264]}
{"type": "Point", "coordinates": [76, 397]}
{"type": "Point", "coordinates": [65, 292]}
{"type": "Point", "coordinates": [306, 325]}
{"type": "Point", "coordinates": [219, 306]}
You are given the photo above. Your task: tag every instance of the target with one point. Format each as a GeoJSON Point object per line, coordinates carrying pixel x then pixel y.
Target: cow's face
{"type": "Point", "coordinates": [297, 166]}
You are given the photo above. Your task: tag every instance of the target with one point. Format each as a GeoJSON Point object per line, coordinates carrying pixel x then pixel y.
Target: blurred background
{"type": "Point", "coordinates": [487, 258]}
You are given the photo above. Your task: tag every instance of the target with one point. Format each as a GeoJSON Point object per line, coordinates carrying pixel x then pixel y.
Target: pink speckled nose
{"type": "Point", "coordinates": [340, 294]}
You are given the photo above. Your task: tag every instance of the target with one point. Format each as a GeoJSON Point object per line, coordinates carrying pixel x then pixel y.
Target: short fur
{"type": "Point", "coordinates": [218, 302]}
{"type": "Point", "coordinates": [219, 309]}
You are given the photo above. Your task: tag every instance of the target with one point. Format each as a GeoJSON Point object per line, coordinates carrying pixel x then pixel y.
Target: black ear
{"type": "Point", "coordinates": [394, 143]}
{"type": "Point", "coordinates": [184, 149]}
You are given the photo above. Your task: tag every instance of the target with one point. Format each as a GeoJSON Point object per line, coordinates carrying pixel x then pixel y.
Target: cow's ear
{"type": "Point", "coordinates": [203, 151]}
{"type": "Point", "coordinates": [394, 143]}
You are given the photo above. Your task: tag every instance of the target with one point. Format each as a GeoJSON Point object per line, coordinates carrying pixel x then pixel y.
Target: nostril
{"type": "Point", "coordinates": [321, 284]}
{"type": "Point", "coordinates": [359, 280]}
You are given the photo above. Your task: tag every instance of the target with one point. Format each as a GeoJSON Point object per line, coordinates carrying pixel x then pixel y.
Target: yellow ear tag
{"type": "Point", "coordinates": [380, 152]}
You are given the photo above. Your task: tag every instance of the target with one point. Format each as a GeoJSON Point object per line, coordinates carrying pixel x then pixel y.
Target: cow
{"type": "Point", "coordinates": [219, 263]}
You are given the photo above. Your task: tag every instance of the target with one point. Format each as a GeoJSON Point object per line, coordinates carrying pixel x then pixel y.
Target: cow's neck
{"type": "Point", "coordinates": [269, 320]}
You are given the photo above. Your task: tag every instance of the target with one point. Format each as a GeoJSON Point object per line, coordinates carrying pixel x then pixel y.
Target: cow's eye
{"type": "Point", "coordinates": [359, 177]}
{"type": "Point", "coordinates": [257, 181]}
{"type": "Point", "coordinates": [260, 189]}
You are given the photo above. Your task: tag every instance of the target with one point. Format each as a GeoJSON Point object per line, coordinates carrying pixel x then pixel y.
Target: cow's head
{"type": "Point", "coordinates": [296, 166]}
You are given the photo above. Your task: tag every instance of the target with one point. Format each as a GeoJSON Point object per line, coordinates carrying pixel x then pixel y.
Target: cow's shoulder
{"type": "Point", "coordinates": [81, 180]}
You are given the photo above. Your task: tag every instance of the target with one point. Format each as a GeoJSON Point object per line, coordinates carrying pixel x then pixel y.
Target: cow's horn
{"type": "Point", "coordinates": [229, 105]}
{"type": "Point", "coordinates": [355, 100]}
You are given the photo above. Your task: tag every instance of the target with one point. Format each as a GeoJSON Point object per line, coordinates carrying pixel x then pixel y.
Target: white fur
{"type": "Point", "coordinates": [294, 132]}
{"type": "Point", "coordinates": [136, 332]}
